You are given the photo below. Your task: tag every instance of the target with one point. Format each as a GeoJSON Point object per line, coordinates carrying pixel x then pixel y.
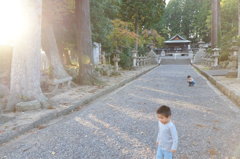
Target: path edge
{"type": "Point", "coordinates": [235, 98]}
{"type": "Point", "coordinates": [76, 106]}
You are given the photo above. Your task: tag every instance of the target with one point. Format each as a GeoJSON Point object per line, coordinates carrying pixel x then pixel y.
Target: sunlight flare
{"type": "Point", "coordinates": [12, 21]}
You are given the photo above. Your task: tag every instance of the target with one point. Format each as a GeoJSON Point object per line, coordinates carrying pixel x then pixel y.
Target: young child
{"type": "Point", "coordinates": [190, 81]}
{"type": "Point", "coordinates": [167, 139]}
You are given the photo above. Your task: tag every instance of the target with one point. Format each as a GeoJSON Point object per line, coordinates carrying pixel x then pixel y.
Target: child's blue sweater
{"type": "Point", "coordinates": [167, 136]}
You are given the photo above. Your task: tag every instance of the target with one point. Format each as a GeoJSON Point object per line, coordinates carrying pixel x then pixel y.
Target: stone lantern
{"type": "Point", "coordinates": [234, 48]}
{"type": "Point", "coordinates": [108, 55]}
{"type": "Point", "coordinates": [199, 57]}
{"type": "Point", "coordinates": [116, 59]}
{"type": "Point", "coordinates": [215, 56]}
{"type": "Point", "coordinates": [238, 60]}
{"type": "Point", "coordinates": [134, 56]}
{"type": "Point", "coordinates": [190, 54]}
{"type": "Point", "coordinates": [151, 46]}
{"type": "Point", "coordinates": [233, 61]}
{"type": "Point", "coordinates": [201, 44]}
{"type": "Point", "coordinates": [103, 58]}
{"type": "Point", "coordinates": [163, 53]}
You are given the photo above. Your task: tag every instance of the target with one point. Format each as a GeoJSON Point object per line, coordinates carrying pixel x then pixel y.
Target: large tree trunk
{"type": "Point", "coordinates": [215, 22]}
{"type": "Point", "coordinates": [239, 36]}
{"type": "Point", "coordinates": [137, 32]}
{"type": "Point", "coordinates": [25, 71]}
{"type": "Point", "coordinates": [238, 17]}
{"type": "Point", "coordinates": [84, 41]}
{"type": "Point", "coordinates": [50, 46]}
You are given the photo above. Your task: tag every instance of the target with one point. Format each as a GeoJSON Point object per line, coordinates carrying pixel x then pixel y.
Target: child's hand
{"type": "Point", "coordinates": [173, 151]}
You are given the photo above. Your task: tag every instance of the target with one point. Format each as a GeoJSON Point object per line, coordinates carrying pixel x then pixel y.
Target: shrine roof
{"type": "Point", "coordinates": [177, 39]}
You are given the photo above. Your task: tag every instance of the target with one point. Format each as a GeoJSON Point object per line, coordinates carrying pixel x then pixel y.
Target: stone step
{"type": "Point", "coordinates": [175, 61]}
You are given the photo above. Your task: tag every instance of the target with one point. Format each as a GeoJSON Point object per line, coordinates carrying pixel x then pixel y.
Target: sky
{"type": "Point", "coordinates": [167, 1]}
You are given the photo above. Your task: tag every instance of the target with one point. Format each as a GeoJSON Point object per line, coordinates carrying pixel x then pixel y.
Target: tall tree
{"type": "Point", "coordinates": [200, 23]}
{"type": "Point", "coordinates": [51, 49]}
{"type": "Point", "coordinates": [229, 21]}
{"type": "Point", "coordinates": [49, 43]}
{"type": "Point", "coordinates": [186, 17]}
{"type": "Point", "coordinates": [238, 17]}
{"type": "Point", "coordinates": [215, 23]}
{"type": "Point", "coordinates": [144, 14]}
{"type": "Point", "coordinates": [102, 13]}
{"type": "Point", "coordinates": [84, 41]}
{"type": "Point", "coordinates": [25, 72]}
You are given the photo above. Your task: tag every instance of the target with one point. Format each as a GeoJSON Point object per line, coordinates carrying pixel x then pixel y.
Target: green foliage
{"type": "Point", "coordinates": [229, 21]}
{"type": "Point", "coordinates": [126, 60]}
{"type": "Point", "coordinates": [142, 13]}
{"type": "Point", "coordinates": [229, 26]}
{"type": "Point", "coordinates": [60, 14]}
{"type": "Point", "coordinates": [152, 37]}
{"type": "Point", "coordinates": [224, 55]}
{"type": "Point", "coordinates": [121, 36]}
{"type": "Point", "coordinates": [172, 17]}
{"type": "Point", "coordinates": [102, 13]}
{"type": "Point", "coordinates": [115, 73]}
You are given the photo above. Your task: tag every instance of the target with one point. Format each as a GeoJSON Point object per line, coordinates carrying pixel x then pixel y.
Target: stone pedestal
{"type": "Point", "coordinates": [26, 106]}
{"type": "Point", "coordinates": [215, 56]}
{"type": "Point", "coordinates": [152, 57]}
{"type": "Point", "coordinates": [116, 59]}
{"type": "Point", "coordinates": [238, 76]}
{"type": "Point", "coordinates": [201, 44]}
{"type": "Point", "coordinates": [190, 54]}
{"type": "Point", "coordinates": [233, 63]}
{"type": "Point", "coordinates": [103, 58]}
{"type": "Point", "coordinates": [163, 53]}
{"type": "Point", "coordinates": [201, 53]}
{"type": "Point", "coordinates": [134, 56]}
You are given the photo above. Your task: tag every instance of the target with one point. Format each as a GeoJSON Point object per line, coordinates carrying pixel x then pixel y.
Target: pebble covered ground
{"type": "Point", "coordinates": [123, 124]}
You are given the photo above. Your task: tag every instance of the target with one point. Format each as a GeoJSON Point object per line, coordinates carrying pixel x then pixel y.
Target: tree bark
{"type": "Point", "coordinates": [238, 17]}
{"type": "Point", "coordinates": [239, 36]}
{"type": "Point", "coordinates": [67, 57]}
{"type": "Point", "coordinates": [25, 69]}
{"type": "Point", "coordinates": [84, 41]}
{"type": "Point", "coordinates": [137, 32]}
{"type": "Point", "coordinates": [50, 46]}
{"type": "Point", "coordinates": [215, 23]}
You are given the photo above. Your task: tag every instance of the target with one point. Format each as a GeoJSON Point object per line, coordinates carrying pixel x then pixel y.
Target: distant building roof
{"type": "Point", "coordinates": [177, 39]}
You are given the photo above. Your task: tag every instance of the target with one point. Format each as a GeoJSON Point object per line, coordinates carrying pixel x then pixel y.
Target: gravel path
{"type": "Point", "coordinates": [122, 125]}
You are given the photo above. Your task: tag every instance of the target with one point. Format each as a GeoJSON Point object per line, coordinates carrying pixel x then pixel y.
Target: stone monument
{"type": "Point", "coordinates": [215, 56]}
{"type": "Point", "coordinates": [201, 53]}
{"type": "Point", "coordinates": [163, 53]}
{"type": "Point", "coordinates": [238, 76]}
{"type": "Point", "coordinates": [116, 59]}
{"type": "Point", "coordinates": [233, 61]}
{"type": "Point", "coordinates": [103, 58]}
{"type": "Point", "coordinates": [134, 56]}
{"type": "Point", "coordinates": [153, 58]}
{"type": "Point", "coordinates": [190, 54]}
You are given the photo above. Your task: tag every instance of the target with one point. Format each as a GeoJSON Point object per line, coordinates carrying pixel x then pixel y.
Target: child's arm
{"type": "Point", "coordinates": [174, 138]}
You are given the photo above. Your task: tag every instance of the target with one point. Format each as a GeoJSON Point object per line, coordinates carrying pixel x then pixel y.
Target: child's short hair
{"type": "Point", "coordinates": [164, 110]}
{"type": "Point", "coordinates": [188, 76]}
